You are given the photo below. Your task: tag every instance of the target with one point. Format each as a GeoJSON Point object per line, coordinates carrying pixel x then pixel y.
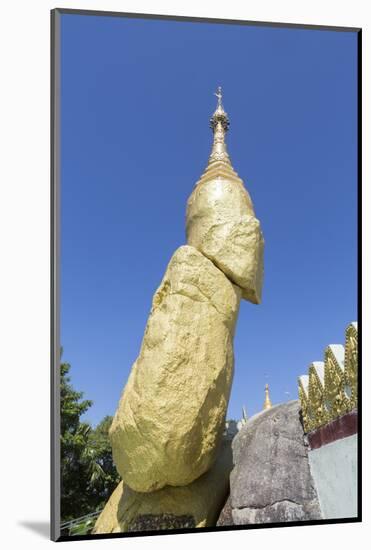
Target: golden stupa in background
{"type": "Point", "coordinates": [267, 401]}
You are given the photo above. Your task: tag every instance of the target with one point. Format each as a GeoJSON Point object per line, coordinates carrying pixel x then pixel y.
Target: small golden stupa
{"type": "Point", "coordinates": [267, 401]}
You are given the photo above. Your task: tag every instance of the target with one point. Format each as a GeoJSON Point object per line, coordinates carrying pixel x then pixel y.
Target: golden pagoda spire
{"type": "Point", "coordinates": [267, 401]}
{"type": "Point", "coordinates": [219, 165]}
{"type": "Point", "coordinates": [219, 123]}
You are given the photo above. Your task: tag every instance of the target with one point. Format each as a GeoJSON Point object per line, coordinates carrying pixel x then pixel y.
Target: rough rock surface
{"type": "Point", "coordinates": [171, 415]}
{"type": "Point", "coordinates": [271, 479]}
{"type": "Point", "coordinates": [221, 224]}
{"type": "Point", "coordinates": [225, 517]}
{"type": "Point", "coordinates": [195, 505]}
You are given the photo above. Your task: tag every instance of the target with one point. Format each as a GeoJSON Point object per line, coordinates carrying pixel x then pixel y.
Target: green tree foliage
{"type": "Point", "coordinates": [74, 438]}
{"type": "Point", "coordinates": [88, 475]}
{"type": "Point", "coordinates": [103, 474]}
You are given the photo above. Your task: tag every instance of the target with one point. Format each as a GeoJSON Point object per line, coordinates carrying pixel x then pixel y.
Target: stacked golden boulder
{"type": "Point", "coordinates": [167, 431]}
{"type": "Point", "coordinates": [329, 390]}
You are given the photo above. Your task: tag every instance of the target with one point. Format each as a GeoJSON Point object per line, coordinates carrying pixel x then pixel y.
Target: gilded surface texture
{"type": "Point", "coordinates": [351, 365]}
{"type": "Point", "coordinates": [220, 226]}
{"type": "Point", "coordinates": [304, 402]}
{"type": "Point", "coordinates": [334, 396]}
{"type": "Point", "coordinates": [316, 409]}
{"type": "Point", "coordinates": [171, 415]}
{"type": "Point", "coordinates": [332, 388]}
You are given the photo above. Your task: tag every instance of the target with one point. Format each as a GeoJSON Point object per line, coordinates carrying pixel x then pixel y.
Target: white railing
{"type": "Point", "coordinates": [69, 524]}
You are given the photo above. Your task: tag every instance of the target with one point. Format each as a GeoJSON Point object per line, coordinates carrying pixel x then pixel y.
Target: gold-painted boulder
{"type": "Point", "coordinates": [195, 505]}
{"type": "Point", "coordinates": [222, 225]}
{"type": "Point", "coordinates": [171, 414]}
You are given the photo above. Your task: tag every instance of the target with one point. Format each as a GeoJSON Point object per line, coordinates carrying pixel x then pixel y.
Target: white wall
{"type": "Point", "coordinates": [334, 471]}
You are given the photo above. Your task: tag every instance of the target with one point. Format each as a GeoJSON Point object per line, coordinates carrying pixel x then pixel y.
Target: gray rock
{"type": "Point", "coordinates": [271, 479]}
{"type": "Point", "coordinates": [225, 517]}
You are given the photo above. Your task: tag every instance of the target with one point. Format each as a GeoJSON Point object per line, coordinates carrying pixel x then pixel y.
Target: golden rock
{"type": "Point", "coordinates": [171, 414]}
{"type": "Point", "coordinates": [194, 505]}
{"type": "Point", "coordinates": [220, 218]}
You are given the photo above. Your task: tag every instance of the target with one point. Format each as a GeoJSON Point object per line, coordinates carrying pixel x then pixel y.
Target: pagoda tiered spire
{"type": "Point", "coordinates": [219, 165]}
{"type": "Point", "coordinates": [219, 124]}
{"type": "Point", "coordinates": [267, 401]}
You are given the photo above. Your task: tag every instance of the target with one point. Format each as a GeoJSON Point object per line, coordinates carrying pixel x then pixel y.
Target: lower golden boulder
{"type": "Point", "coordinates": [195, 505]}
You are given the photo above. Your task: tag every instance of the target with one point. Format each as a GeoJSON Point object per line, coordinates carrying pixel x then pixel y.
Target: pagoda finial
{"type": "Point", "coordinates": [219, 95]}
{"type": "Point", "coordinates": [219, 124]}
{"type": "Point", "coordinates": [219, 116]}
{"type": "Point", "coordinates": [267, 401]}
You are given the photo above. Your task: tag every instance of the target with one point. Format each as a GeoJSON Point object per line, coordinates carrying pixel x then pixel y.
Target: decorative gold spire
{"type": "Point", "coordinates": [267, 401]}
{"type": "Point", "coordinates": [219, 123]}
{"type": "Point", "coordinates": [329, 390]}
{"type": "Point", "coordinates": [219, 165]}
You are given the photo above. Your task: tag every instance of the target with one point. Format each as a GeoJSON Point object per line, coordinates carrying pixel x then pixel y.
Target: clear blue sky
{"type": "Point", "coordinates": [137, 96]}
